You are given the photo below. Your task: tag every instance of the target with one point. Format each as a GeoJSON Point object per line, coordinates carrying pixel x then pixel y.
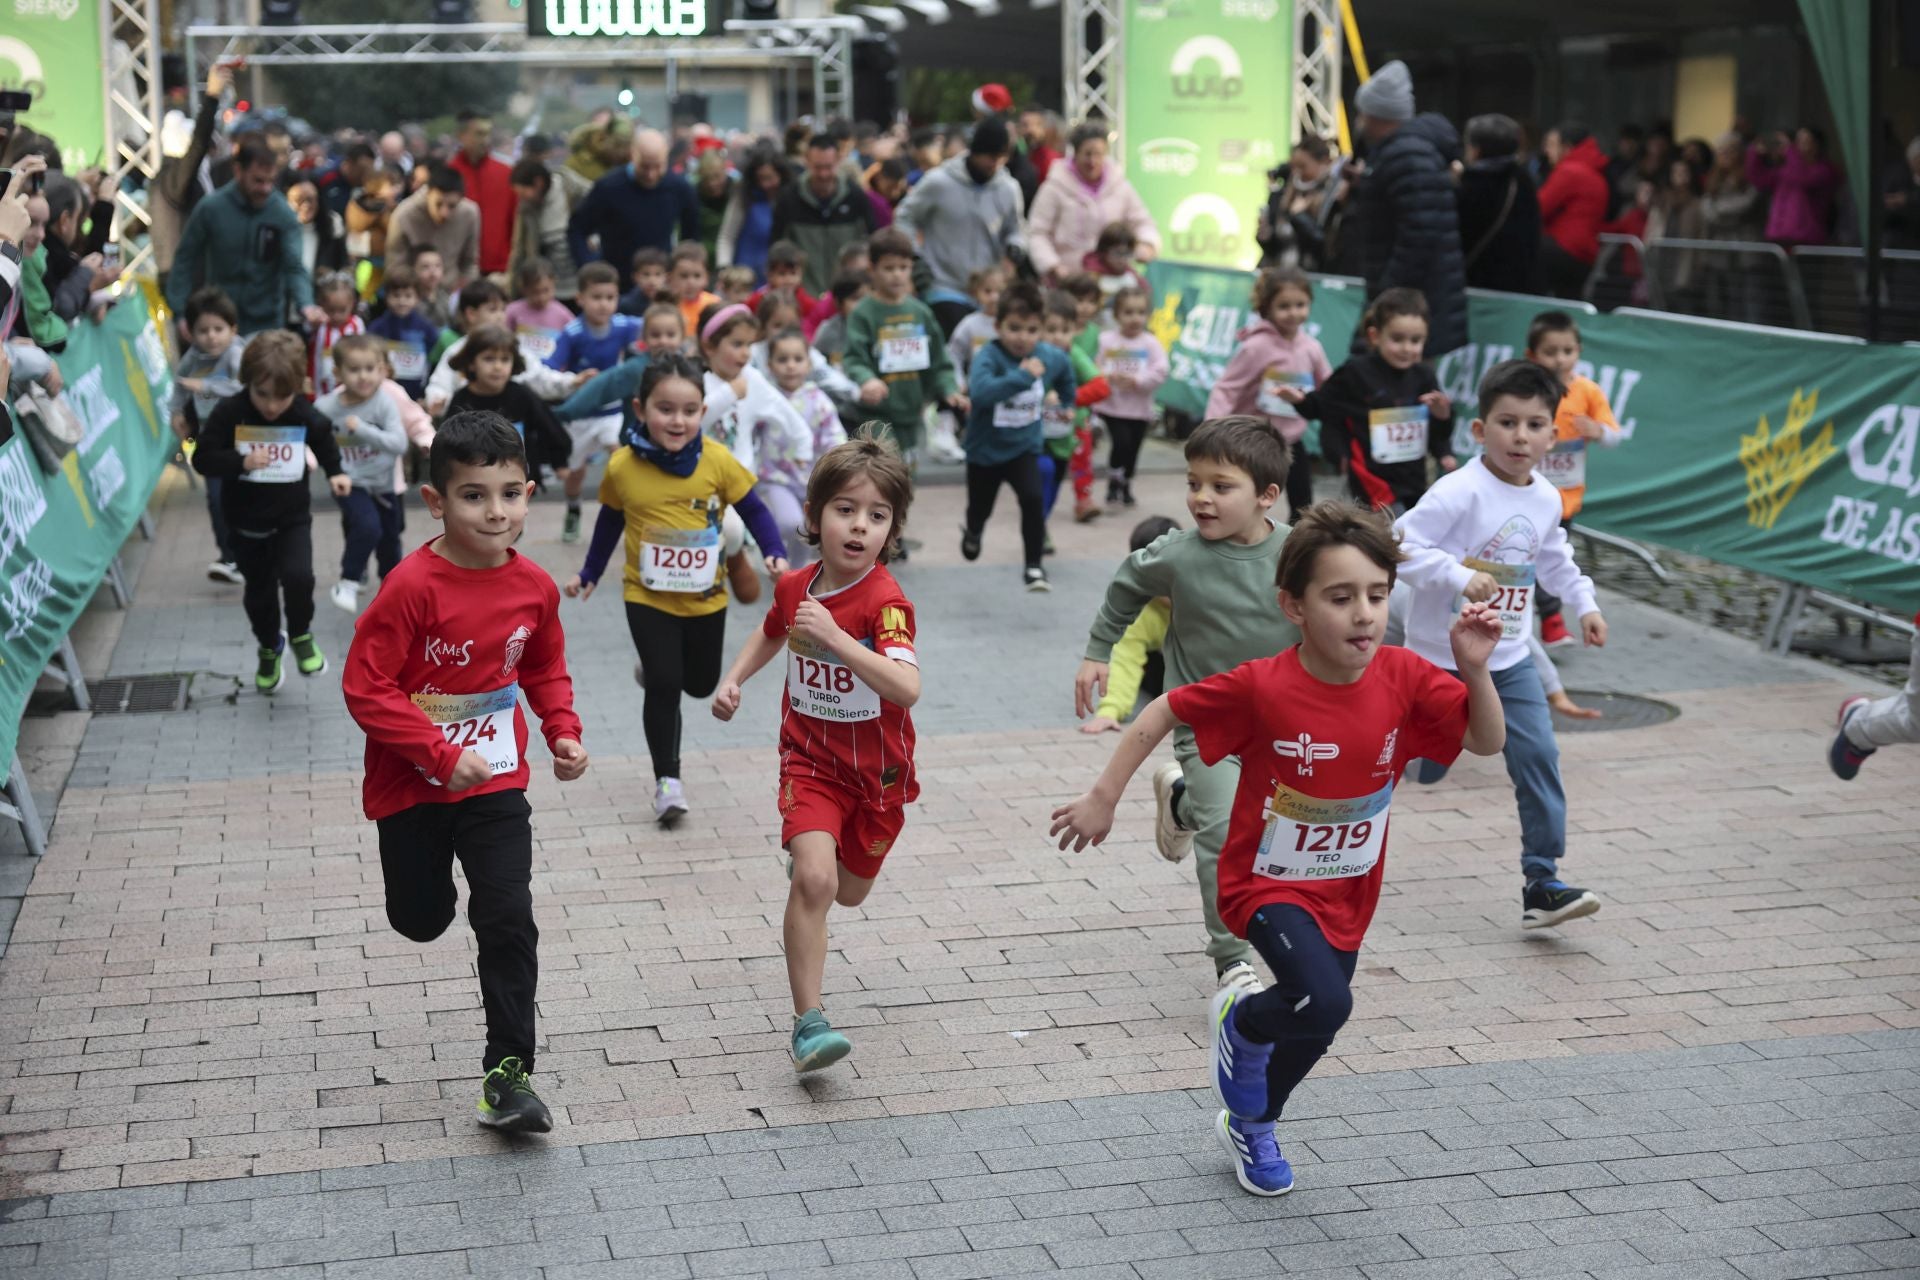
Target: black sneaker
{"type": "Point", "coordinates": [1116, 491]}
{"type": "Point", "coordinates": [1036, 579]}
{"type": "Point", "coordinates": [1549, 902]}
{"type": "Point", "coordinates": [1843, 757]}
{"type": "Point", "coordinates": [969, 543]}
{"type": "Point", "coordinates": [508, 1102]}
{"type": "Point", "coordinates": [1126, 494]}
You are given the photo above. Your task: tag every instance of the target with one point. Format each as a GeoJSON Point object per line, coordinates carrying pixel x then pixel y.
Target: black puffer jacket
{"type": "Point", "coordinates": [1410, 226]}
{"type": "Point", "coordinates": [1499, 215]}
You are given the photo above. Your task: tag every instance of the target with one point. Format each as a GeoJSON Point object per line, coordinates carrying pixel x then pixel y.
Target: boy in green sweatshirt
{"type": "Point", "coordinates": [1220, 576]}
{"type": "Point", "coordinates": [895, 352]}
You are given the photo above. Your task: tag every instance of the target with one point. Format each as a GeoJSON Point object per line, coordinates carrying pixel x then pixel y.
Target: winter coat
{"type": "Point", "coordinates": [253, 252]}
{"type": "Point", "coordinates": [822, 228]}
{"type": "Point", "coordinates": [1499, 225]}
{"type": "Point", "coordinates": [1068, 216]}
{"type": "Point", "coordinates": [1410, 228]}
{"type": "Point", "coordinates": [543, 232]}
{"type": "Point", "coordinates": [1259, 350]}
{"type": "Point", "coordinates": [963, 226]}
{"type": "Point", "coordinates": [1574, 199]}
{"type": "Point", "coordinates": [1802, 209]}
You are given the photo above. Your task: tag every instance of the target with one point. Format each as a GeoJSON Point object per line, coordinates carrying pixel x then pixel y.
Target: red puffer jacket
{"type": "Point", "coordinates": [1573, 201]}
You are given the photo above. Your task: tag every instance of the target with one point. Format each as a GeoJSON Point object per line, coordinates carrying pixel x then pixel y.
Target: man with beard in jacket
{"type": "Point", "coordinates": [1405, 204]}
{"type": "Point", "coordinates": [967, 215]}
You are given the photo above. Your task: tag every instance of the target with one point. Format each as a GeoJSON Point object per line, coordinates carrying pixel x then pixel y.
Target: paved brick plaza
{"type": "Point", "coordinates": [216, 1058]}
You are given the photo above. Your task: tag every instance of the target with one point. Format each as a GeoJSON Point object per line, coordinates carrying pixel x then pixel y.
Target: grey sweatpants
{"type": "Point", "coordinates": [1209, 802]}
{"type": "Point", "coordinates": [1892, 719]}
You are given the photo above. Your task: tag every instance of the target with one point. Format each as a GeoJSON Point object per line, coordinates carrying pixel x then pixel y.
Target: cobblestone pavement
{"type": "Point", "coordinates": [214, 1056]}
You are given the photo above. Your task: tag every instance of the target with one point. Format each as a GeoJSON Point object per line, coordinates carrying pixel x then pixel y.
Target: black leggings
{"type": "Point", "coordinates": [276, 563]}
{"type": "Point", "coordinates": [1299, 480]}
{"type": "Point", "coordinates": [1123, 453]}
{"type": "Point", "coordinates": [1022, 475]}
{"type": "Point", "coordinates": [680, 656]}
{"type": "Point", "coordinates": [1307, 1004]}
{"type": "Point", "coordinates": [492, 836]}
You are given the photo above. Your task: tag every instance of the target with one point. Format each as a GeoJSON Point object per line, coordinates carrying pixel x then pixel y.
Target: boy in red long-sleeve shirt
{"type": "Point", "coordinates": [461, 629]}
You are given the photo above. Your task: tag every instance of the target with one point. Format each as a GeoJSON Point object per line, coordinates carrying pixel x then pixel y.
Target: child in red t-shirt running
{"type": "Point", "coordinates": [460, 629]}
{"type": "Point", "coordinates": [1323, 731]}
{"type": "Point", "coordinates": [846, 740]}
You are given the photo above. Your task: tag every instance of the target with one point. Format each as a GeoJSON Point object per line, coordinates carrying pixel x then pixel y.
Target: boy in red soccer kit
{"type": "Point", "coordinates": [846, 739]}
{"type": "Point", "coordinates": [458, 632]}
{"type": "Point", "coordinates": [1323, 731]}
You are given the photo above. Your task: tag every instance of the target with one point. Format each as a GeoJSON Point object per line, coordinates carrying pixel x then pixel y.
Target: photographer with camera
{"type": "Point", "coordinates": [1300, 225]}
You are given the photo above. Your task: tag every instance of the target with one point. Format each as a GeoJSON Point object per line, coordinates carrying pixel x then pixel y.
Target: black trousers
{"type": "Point", "coordinates": [1022, 475]}
{"type": "Point", "coordinates": [1299, 479]}
{"type": "Point", "coordinates": [681, 656]}
{"type": "Point", "coordinates": [1126, 436]}
{"type": "Point", "coordinates": [1308, 1002]}
{"type": "Point", "coordinates": [492, 835]}
{"type": "Point", "coordinates": [950, 314]}
{"type": "Point", "coordinates": [276, 563]}
{"type": "Point", "coordinates": [1545, 603]}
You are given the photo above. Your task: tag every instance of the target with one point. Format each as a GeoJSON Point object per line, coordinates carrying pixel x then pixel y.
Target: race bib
{"type": "Point", "coordinates": [1513, 598]}
{"type": "Point", "coordinates": [904, 348]}
{"type": "Point", "coordinates": [354, 454]}
{"type": "Point", "coordinates": [480, 722]}
{"type": "Point", "coordinates": [538, 342]}
{"type": "Point", "coordinates": [1271, 381]}
{"type": "Point", "coordinates": [820, 686]}
{"type": "Point", "coordinates": [1131, 363]}
{"type": "Point", "coordinates": [286, 450]}
{"type": "Point", "coordinates": [1056, 421]}
{"type": "Point", "coordinates": [1022, 410]}
{"type": "Point", "coordinates": [1398, 435]}
{"type": "Point", "coordinates": [1566, 466]}
{"type": "Point", "coordinates": [679, 559]}
{"type": "Point", "coordinates": [1307, 838]}
{"type": "Point", "coordinates": [408, 360]}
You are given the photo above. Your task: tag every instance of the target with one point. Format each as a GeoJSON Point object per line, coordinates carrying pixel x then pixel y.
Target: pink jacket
{"type": "Point", "coordinates": [1262, 359]}
{"type": "Point", "coordinates": [1068, 215]}
{"type": "Point", "coordinates": [1141, 357]}
{"type": "Point", "coordinates": [1802, 208]}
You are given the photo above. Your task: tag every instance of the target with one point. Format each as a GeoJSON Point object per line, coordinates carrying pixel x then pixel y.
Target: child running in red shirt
{"type": "Point", "coordinates": [458, 632]}
{"type": "Point", "coordinates": [846, 738]}
{"type": "Point", "coordinates": [1323, 731]}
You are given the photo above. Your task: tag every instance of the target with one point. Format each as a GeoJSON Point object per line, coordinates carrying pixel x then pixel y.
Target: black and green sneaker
{"type": "Point", "coordinates": [508, 1102]}
{"type": "Point", "coordinates": [268, 676]}
{"type": "Point", "coordinates": [307, 655]}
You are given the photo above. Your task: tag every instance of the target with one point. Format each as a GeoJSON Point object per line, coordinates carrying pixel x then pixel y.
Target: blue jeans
{"type": "Point", "coordinates": [1306, 1006]}
{"type": "Point", "coordinates": [1533, 763]}
{"type": "Point", "coordinates": [373, 522]}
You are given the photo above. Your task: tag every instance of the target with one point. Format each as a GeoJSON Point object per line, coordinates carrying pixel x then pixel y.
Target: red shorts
{"type": "Point", "coordinates": [862, 834]}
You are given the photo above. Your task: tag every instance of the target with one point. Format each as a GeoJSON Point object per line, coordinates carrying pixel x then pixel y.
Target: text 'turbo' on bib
{"type": "Point", "coordinates": [480, 722]}
{"type": "Point", "coordinates": [821, 686]}
{"type": "Point", "coordinates": [1398, 435]}
{"type": "Point", "coordinates": [286, 450]}
{"type": "Point", "coordinates": [679, 559]}
{"type": "Point", "coordinates": [1307, 838]}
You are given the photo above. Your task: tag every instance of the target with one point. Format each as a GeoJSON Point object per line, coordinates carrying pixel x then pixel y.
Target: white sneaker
{"type": "Point", "coordinates": [1172, 840]}
{"type": "Point", "coordinates": [225, 571]}
{"type": "Point", "coordinates": [943, 443]}
{"type": "Point", "coordinates": [345, 595]}
{"type": "Point", "coordinates": [1241, 976]}
{"type": "Point", "coordinates": [669, 801]}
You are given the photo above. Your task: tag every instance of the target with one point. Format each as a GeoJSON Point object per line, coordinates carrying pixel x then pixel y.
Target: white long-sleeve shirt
{"type": "Point", "coordinates": [731, 420]}
{"type": "Point", "coordinates": [1471, 521]}
{"type": "Point", "coordinates": [548, 384]}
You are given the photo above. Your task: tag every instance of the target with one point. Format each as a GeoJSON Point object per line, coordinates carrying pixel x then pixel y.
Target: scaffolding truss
{"type": "Point", "coordinates": [130, 56]}
{"type": "Point", "coordinates": [1094, 31]}
{"type": "Point", "coordinates": [827, 43]}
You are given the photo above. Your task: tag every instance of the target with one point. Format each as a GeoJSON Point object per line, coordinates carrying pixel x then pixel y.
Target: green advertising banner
{"type": "Point", "coordinates": [1207, 96]}
{"type": "Point", "coordinates": [1788, 454]}
{"type": "Point", "coordinates": [51, 49]}
{"type": "Point", "coordinates": [59, 532]}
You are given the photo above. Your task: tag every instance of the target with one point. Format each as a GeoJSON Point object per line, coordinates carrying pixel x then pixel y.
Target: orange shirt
{"type": "Point", "coordinates": [690, 313]}
{"type": "Point", "coordinates": [1584, 398]}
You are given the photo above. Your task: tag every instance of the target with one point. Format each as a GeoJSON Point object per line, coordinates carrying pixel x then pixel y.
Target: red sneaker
{"type": "Point", "coordinates": [1554, 633]}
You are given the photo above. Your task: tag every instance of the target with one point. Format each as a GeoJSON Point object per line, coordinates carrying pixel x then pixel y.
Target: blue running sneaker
{"type": "Point", "coordinates": [815, 1044]}
{"type": "Point", "coordinates": [1257, 1161]}
{"type": "Point", "coordinates": [1239, 1065]}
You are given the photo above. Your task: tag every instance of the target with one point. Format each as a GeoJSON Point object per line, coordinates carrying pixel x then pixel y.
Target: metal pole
{"type": "Point", "coordinates": [1876, 161]}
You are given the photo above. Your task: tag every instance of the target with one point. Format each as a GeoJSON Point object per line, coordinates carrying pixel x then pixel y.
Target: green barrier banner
{"type": "Point", "coordinates": [1208, 101]}
{"type": "Point", "coordinates": [1790, 455]}
{"type": "Point", "coordinates": [59, 532]}
{"type": "Point", "coordinates": [51, 49]}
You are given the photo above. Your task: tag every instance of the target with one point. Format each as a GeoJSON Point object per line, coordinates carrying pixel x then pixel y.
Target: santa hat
{"type": "Point", "coordinates": [992, 100]}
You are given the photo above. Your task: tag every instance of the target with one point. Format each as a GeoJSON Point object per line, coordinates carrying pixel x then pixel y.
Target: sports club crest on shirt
{"type": "Point", "coordinates": [516, 645]}
{"type": "Point", "coordinates": [1387, 749]}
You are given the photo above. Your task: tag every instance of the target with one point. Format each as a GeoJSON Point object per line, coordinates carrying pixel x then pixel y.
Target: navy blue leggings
{"type": "Point", "coordinates": [1307, 1004]}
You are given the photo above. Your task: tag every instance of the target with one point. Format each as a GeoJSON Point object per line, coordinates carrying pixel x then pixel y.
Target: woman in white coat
{"type": "Point", "coordinates": [1077, 200]}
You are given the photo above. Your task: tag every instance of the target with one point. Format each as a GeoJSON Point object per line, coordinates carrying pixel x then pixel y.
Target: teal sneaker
{"type": "Point", "coordinates": [508, 1102]}
{"type": "Point", "coordinates": [815, 1044]}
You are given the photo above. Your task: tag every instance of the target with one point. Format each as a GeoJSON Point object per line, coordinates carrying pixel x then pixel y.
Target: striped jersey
{"type": "Point", "coordinates": [320, 352]}
{"type": "Point", "coordinates": [834, 726]}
